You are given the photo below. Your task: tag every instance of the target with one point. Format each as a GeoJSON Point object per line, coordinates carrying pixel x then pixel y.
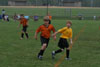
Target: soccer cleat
{"type": "Point", "coordinates": [68, 58]}
{"type": "Point", "coordinates": [40, 57]}
{"type": "Point", "coordinates": [53, 55]}
{"type": "Point", "coordinates": [21, 38]}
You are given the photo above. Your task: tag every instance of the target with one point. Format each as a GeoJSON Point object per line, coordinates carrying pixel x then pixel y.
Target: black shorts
{"type": "Point", "coordinates": [63, 43]}
{"type": "Point", "coordinates": [44, 40]}
{"type": "Point", "coordinates": [24, 28]}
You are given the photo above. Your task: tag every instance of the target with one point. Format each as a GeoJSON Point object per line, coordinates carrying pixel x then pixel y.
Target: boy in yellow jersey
{"type": "Point", "coordinates": [66, 33]}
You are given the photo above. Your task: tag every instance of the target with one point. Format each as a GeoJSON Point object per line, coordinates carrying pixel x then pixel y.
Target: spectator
{"type": "Point", "coordinates": [15, 17]}
{"type": "Point", "coordinates": [26, 17]}
{"type": "Point", "coordinates": [0, 16]}
{"type": "Point", "coordinates": [94, 17]}
{"type": "Point", "coordinates": [3, 14]}
{"type": "Point", "coordinates": [36, 18]}
{"type": "Point", "coordinates": [6, 17]}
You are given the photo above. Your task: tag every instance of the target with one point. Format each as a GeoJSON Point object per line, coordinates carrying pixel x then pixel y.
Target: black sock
{"type": "Point", "coordinates": [22, 35]}
{"type": "Point", "coordinates": [27, 35]}
{"type": "Point", "coordinates": [41, 52]}
{"type": "Point", "coordinates": [67, 53]}
{"type": "Point", "coordinates": [58, 51]}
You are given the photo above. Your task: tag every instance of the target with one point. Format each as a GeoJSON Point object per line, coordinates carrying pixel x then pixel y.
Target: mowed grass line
{"type": "Point", "coordinates": [75, 39]}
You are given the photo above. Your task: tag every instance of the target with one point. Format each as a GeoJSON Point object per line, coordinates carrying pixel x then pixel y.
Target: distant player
{"type": "Point", "coordinates": [66, 33]}
{"type": "Point", "coordinates": [45, 30]}
{"type": "Point", "coordinates": [50, 18]}
{"type": "Point", "coordinates": [24, 22]}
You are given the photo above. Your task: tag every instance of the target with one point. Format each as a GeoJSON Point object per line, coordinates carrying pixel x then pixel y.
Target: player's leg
{"type": "Point", "coordinates": [40, 54]}
{"type": "Point", "coordinates": [26, 33]}
{"type": "Point", "coordinates": [56, 52]}
{"type": "Point", "coordinates": [67, 54]}
{"type": "Point", "coordinates": [44, 43]}
{"type": "Point", "coordinates": [22, 34]}
{"type": "Point", "coordinates": [61, 46]}
{"type": "Point", "coordinates": [67, 50]}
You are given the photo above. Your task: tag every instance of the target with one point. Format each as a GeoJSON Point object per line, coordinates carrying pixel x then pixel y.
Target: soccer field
{"type": "Point", "coordinates": [87, 13]}
{"type": "Point", "coordinates": [23, 53]}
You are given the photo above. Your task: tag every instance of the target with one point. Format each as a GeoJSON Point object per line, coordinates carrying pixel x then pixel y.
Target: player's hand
{"type": "Point", "coordinates": [71, 42]}
{"type": "Point", "coordinates": [54, 38]}
{"type": "Point", "coordinates": [35, 37]}
{"type": "Point", "coordinates": [68, 48]}
{"type": "Point", "coordinates": [53, 35]}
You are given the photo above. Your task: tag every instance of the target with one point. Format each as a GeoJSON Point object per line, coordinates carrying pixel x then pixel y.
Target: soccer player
{"type": "Point", "coordinates": [66, 33]}
{"type": "Point", "coordinates": [24, 22]}
{"type": "Point", "coordinates": [45, 30]}
{"type": "Point", "coordinates": [50, 18]}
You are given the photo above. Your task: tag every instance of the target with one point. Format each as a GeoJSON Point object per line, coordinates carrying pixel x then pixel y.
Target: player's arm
{"type": "Point", "coordinates": [36, 33]}
{"type": "Point", "coordinates": [55, 34]}
{"type": "Point", "coordinates": [71, 44]}
{"type": "Point", "coordinates": [53, 29]}
{"type": "Point", "coordinates": [27, 22]}
{"type": "Point", "coordinates": [71, 41]}
{"type": "Point", "coordinates": [35, 36]}
{"type": "Point", "coordinates": [59, 31]}
{"type": "Point", "coordinates": [19, 25]}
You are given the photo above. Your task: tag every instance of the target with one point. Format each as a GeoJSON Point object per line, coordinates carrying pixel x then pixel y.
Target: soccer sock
{"type": "Point", "coordinates": [67, 53]}
{"type": "Point", "coordinates": [58, 51]}
{"type": "Point", "coordinates": [27, 35]}
{"type": "Point", "coordinates": [41, 52]}
{"type": "Point", "coordinates": [22, 35]}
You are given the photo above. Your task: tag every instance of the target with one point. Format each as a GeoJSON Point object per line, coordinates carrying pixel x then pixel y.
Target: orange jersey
{"type": "Point", "coordinates": [50, 17]}
{"type": "Point", "coordinates": [23, 21]}
{"type": "Point", "coordinates": [45, 31]}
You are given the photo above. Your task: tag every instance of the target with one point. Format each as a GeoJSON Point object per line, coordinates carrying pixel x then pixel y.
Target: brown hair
{"type": "Point", "coordinates": [69, 22]}
{"type": "Point", "coordinates": [21, 14]}
{"type": "Point", "coordinates": [46, 18]}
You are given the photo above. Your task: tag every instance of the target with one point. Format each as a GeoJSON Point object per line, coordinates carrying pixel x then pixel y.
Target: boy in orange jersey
{"type": "Point", "coordinates": [45, 30]}
{"type": "Point", "coordinates": [24, 22]}
{"type": "Point", "coordinates": [66, 33]}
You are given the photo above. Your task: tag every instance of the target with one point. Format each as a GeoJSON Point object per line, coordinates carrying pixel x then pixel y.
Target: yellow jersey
{"type": "Point", "coordinates": [66, 32]}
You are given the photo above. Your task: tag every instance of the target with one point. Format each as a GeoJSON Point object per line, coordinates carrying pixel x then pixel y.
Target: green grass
{"type": "Point", "coordinates": [23, 53]}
